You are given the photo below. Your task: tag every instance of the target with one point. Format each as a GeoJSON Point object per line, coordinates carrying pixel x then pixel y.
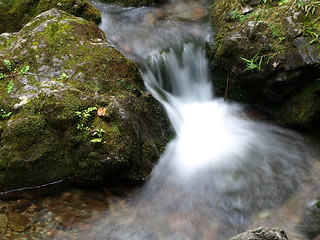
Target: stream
{"type": "Point", "coordinates": [223, 173]}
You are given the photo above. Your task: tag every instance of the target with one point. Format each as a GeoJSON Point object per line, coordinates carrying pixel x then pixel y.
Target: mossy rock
{"type": "Point", "coordinates": [73, 106]}
{"type": "Point", "coordinates": [15, 14]}
{"type": "Point", "coordinates": [265, 52]}
{"type": "Point", "coordinates": [301, 110]}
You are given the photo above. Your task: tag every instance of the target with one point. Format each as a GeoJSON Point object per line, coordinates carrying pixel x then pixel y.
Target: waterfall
{"type": "Point", "coordinates": [222, 168]}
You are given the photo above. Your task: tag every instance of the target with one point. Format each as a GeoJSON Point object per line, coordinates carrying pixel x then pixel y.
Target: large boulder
{"type": "Point", "coordinates": [72, 106]}
{"type": "Point", "coordinates": [267, 53]}
{"type": "Point", "coordinates": [15, 14]}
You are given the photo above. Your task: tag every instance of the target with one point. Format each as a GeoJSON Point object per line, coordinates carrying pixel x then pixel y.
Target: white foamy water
{"type": "Point", "coordinates": [222, 169]}
{"type": "Point", "coordinates": [208, 130]}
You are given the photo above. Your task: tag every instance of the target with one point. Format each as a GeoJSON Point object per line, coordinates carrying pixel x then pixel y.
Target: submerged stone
{"type": "Point", "coordinates": [57, 72]}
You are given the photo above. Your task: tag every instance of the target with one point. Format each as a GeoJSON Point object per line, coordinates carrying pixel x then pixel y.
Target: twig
{"type": "Point", "coordinates": [227, 86]}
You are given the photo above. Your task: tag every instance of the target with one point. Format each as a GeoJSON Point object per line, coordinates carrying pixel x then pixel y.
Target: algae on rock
{"type": "Point", "coordinates": [72, 69]}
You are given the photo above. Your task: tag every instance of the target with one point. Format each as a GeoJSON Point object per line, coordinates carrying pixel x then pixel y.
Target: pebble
{"type": "Point", "coordinates": [19, 222]}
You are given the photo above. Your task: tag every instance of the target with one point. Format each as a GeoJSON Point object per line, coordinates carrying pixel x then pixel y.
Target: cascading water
{"type": "Point", "coordinates": [222, 169]}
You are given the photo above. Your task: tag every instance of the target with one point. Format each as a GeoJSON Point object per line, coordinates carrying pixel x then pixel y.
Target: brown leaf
{"type": "Point", "coordinates": [102, 111]}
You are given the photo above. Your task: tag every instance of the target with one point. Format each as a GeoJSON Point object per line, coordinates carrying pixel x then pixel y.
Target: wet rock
{"type": "Point", "coordinates": [268, 60]}
{"type": "Point", "coordinates": [19, 222]}
{"type": "Point", "coordinates": [310, 223]}
{"type": "Point", "coordinates": [261, 234]}
{"type": "Point", "coordinates": [308, 52]}
{"type": "Point", "coordinates": [59, 72]}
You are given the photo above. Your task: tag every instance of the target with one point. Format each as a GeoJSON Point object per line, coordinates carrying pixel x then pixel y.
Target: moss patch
{"type": "Point", "coordinates": [300, 110]}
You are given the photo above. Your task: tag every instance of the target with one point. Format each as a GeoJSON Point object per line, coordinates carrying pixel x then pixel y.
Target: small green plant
{"type": "Point", "coordinates": [15, 71]}
{"type": "Point", "coordinates": [24, 70]}
{"type": "Point", "coordinates": [4, 114]}
{"type": "Point", "coordinates": [10, 87]}
{"type": "Point", "coordinates": [309, 31]}
{"type": "Point", "coordinates": [3, 76]}
{"type": "Point", "coordinates": [86, 113]}
{"type": "Point", "coordinates": [235, 15]}
{"type": "Point", "coordinates": [257, 15]}
{"type": "Point", "coordinates": [253, 64]}
{"type": "Point", "coordinates": [281, 39]}
{"type": "Point", "coordinates": [309, 7]}
{"type": "Point", "coordinates": [98, 133]}
{"type": "Point", "coordinates": [84, 117]}
{"type": "Point", "coordinates": [7, 63]}
{"type": "Point", "coordinates": [63, 76]}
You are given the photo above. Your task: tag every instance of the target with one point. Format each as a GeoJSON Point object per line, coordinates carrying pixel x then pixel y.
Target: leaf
{"type": "Point", "coordinates": [246, 60]}
{"type": "Point", "coordinates": [102, 111]}
{"type": "Point", "coordinates": [95, 140]}
{"type": "Point", "coordinates": [284, 2]}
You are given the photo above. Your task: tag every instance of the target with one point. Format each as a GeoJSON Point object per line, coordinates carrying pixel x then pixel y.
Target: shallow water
{"type": "Point", "coordinates": [223, 172]}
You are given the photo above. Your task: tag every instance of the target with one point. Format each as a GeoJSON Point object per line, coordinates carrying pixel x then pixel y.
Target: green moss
{"type": "Point", "coordinates": [300, 110]}
{"type": "Point", "coordinates": [276, 30]}
{"type": "Point", "coordinates": [30, 126]}
{"type": "Point", "coordinates": [137, 173]}
{"type": "Point", "coordinates": [14, 14]}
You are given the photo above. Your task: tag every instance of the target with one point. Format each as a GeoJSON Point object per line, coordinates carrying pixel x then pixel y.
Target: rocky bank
{"type": "Point", "coordinates": [267, 53]}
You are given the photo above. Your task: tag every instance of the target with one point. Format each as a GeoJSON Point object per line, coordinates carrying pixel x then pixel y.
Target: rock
{"type": "Point", "coordinates": [270, 61]}
{"type": "Point", "coordinates": [310, 222]}
{"type": "Point", "coordinates": [59, 72]}
{"type": "Point", "coordinates": [261, 233]}
{"type": "Point", "coordinates": [3, 223]}
{"type": "Point", "coordinates": [15, 14]}
{"type": "Point", "coordinates": [19, 222]}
